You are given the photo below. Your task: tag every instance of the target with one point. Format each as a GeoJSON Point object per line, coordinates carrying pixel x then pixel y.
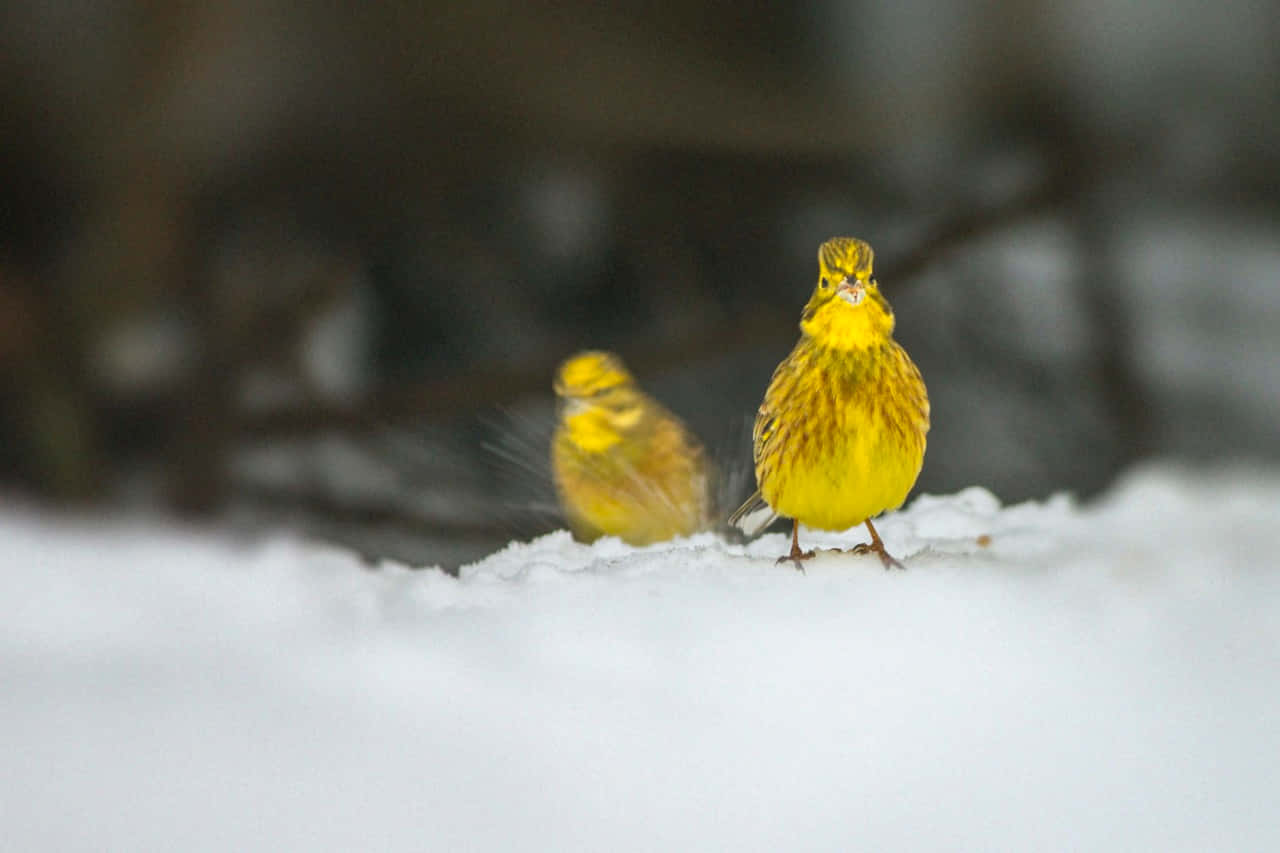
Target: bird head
{"type": "Point", "coordinates": [591, 373]}
{"type": "Point", "coordinates": [847, 310]}
{"type": "Point", "coordinates": [599, 398]}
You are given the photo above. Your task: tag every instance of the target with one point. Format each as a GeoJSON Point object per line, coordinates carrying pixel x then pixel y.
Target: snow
{"type": "Point", "coordinates": [1096, 677]}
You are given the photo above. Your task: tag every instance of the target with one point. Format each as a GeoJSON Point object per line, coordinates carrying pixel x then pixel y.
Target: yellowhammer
{"type": "Point", "coordinates": [623, 465]}
{"type": "Point", "coordinates": [840, 436]}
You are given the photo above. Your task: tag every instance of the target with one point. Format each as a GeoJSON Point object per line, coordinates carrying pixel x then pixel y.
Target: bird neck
{"type": "Point", "coordinates": [597, 429]}
{"type": "Point", "coordinates": [838, 326]}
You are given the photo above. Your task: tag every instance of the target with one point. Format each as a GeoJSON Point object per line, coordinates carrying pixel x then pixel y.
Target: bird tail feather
{"type": "Point", "coordinates": [753, 516]}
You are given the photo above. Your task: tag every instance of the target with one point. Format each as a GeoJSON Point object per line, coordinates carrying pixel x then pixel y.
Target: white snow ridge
{"type": "Point", "coordinates": [1097, 678]}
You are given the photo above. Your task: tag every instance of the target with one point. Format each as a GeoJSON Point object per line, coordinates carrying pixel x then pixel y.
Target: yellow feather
{"type": "Point", "coordinates": [840, 436]}
{"type": "Point", "coordinates": [623, 465]}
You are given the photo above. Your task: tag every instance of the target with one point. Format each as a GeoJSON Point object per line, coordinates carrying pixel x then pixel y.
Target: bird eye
{"type": "Point", "coordinates": [823, 283]}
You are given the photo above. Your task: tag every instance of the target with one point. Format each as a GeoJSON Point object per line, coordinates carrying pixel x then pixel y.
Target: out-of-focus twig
{"type": "Point", "coordinates": [1076, 170]}
{"type": "Point", "coordinates": [454, 396]}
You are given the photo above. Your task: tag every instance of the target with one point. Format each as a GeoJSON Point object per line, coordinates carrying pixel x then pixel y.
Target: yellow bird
{"type": "Point", "coordinates": [623, 465]}
{"type": "Point", "coordinates": [840, 436]}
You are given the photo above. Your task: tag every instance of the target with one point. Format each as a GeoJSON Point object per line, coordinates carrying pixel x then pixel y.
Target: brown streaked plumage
{"type": "Point", "coordinates": [840, 436]}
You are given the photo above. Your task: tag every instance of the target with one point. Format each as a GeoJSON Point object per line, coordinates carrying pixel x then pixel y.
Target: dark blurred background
{"type": "Point", "coordinates": [312, 265]}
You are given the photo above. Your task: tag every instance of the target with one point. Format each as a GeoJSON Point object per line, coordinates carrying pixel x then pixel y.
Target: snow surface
{"type": "Point", "coordinates": [1105, 677]}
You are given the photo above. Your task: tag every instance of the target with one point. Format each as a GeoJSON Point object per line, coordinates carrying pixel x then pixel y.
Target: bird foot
{"type": "Point", "coordinates": [879, 550]}
{"type": "Point", "coordinates": [796, 556]}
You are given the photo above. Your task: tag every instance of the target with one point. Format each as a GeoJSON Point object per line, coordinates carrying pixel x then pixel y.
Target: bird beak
{"type": "Point", "coordinates": [851, 291]}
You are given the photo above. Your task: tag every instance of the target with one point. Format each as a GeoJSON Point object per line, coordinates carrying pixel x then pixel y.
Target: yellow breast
{"type": "Point", "coordinates": [840, 437]}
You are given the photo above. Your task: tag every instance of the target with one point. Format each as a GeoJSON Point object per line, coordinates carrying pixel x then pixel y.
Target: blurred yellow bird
{"type": "Point", "coordinates": [840, 436]}
{"type": "Point", "coordinates": [623, 465]}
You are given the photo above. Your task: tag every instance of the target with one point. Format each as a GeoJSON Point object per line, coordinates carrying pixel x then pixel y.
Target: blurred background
{"type": "Point", "coordinates": [312, 265]}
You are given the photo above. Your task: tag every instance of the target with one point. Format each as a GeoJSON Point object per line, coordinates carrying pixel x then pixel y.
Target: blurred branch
{"type": "Point", "coordinates": [1125, 395]}
{"type": "Point", "coordinates": [454, 396]}
{"type": "Point", "coordinates": [1058, 188]}
{"type": "Point", "coordinates": [441, 399]}
{"type": "Point", "coordinates": [1079, 168]}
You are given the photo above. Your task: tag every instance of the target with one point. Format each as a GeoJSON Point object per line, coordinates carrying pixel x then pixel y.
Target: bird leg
{"type": "Point", "coordinates": [796, 554]}
{"type": "Point", "coordinates": [877, 546]}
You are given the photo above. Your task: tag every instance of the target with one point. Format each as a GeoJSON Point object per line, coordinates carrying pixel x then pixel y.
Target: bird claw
{"type": "Point", "coordinates": [889, 561]}
{"type": "Point", "coordinates": [796, 557]}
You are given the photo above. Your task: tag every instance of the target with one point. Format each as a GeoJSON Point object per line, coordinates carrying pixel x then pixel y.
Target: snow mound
{"type": "Point", "coordinates": [1043, 676]}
